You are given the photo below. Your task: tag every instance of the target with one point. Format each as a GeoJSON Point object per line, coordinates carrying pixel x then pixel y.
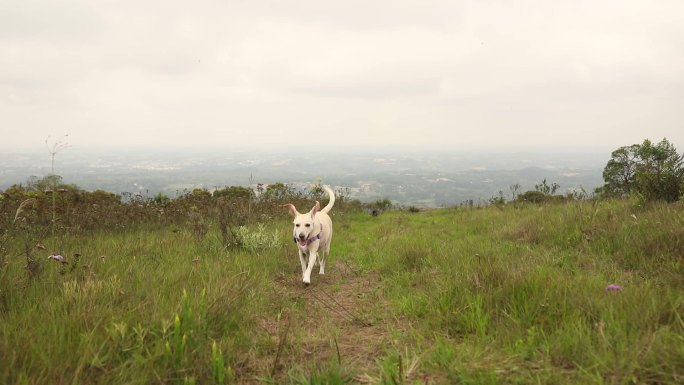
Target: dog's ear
{"type": "Point", "coordinates": [315, 209]}
{"type": "Point", "coordinates": [292, 208]}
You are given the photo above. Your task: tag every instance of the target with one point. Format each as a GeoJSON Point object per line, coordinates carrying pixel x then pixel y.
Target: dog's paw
{"type": "Point", "coordinates": [306, 283]}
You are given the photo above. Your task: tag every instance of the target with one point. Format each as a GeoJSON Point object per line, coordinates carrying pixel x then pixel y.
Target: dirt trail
{"type": "Point", "coordinates": [340, 317]}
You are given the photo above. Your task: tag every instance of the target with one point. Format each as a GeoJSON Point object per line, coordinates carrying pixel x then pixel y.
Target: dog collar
{"type": "Point", "coordinates": [314, 239]}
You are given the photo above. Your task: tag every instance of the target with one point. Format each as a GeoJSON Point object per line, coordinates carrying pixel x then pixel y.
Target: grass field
{"type": "Point", "coordinates": [496, 295]}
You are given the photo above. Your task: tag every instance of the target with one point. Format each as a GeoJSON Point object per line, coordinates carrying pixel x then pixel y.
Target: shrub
{"type": "Point", "coordinates": [543, 192]}
{"type": "Point", "coordinates": [532, 197]}
{"type": "Point", "coordinates": [238, 192]}
{"type": "Point", "coordinates": [381, 205]}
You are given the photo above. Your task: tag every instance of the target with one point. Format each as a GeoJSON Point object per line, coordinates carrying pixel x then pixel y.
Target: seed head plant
{"type": "Point", "coordinates": [54, 148]}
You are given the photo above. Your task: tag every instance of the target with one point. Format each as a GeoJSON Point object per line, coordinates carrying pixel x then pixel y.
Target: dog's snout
{"type": "Point", "coordinates": [302, 236]}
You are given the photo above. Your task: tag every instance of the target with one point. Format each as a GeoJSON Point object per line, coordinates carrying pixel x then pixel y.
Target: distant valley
{"type": "Point", "coordinates": [410, 177]}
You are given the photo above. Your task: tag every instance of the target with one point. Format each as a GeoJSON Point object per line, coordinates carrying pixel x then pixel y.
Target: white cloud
{"type": "Point", "coordinates": [456, 73]}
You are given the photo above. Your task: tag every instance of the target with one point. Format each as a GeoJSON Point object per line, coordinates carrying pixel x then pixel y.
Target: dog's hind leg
{"type": "Point", "coordinates": [321, 261]}
{"type": "Point", "coordinates": [322, 257]}
{"type": "Point", "coordinates": [321, 270]}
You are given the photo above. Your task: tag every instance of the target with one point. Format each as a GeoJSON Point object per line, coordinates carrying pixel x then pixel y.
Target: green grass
{"type": "Point", "coordinates": [511, 294]}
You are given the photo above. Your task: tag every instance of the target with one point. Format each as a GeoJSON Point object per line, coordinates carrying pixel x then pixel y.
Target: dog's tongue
{"type": "Point", "coordinates": [302, 242]}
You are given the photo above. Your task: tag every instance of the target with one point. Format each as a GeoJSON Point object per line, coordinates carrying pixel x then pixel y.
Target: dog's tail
{"type": "Point", "coordinates": [330, 204]}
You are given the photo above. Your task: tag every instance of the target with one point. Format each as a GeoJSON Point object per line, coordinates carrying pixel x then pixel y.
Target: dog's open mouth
{"type": "Point", "coordinates": [304, 242]}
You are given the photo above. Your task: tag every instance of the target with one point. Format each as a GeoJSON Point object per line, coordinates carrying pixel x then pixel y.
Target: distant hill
{"type": "Point", "coordinates": [428, 179]}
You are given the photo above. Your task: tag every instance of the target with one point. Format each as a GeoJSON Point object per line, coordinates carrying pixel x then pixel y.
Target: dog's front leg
{"type": "Point", "coordinates": [302, 260]}
{"type": "Point", "coordinates": [309, 267]}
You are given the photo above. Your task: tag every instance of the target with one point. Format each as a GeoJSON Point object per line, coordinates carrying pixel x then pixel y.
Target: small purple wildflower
{"type": "Point", "coordinates": [613, 287]}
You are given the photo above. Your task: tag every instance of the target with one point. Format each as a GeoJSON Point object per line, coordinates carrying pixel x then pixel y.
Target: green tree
{"type": "Point", "coordinates": [620, 171]}
{"type": "Point", "coordinates": [654, 171]}
{"type": "Point", "coordinates": [660, 173]}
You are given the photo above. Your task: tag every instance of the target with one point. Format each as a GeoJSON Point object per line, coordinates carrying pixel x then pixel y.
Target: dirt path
{"type": "Point", "coordinates": [340, 318]}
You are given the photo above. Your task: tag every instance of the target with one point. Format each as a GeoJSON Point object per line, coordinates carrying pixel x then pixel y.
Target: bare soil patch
{"type": "Point", "coordinates": [340, 318]}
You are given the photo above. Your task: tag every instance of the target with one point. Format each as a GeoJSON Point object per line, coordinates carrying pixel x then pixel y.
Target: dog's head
{"type": "Point", "coordinates": [303, 224]}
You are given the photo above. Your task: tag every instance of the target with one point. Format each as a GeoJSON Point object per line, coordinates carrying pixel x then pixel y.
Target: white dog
{"type": "Point", "coordinates": [313, 233]}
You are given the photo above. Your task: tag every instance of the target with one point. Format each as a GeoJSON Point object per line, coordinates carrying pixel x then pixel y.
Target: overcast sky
{"type": "Point", "coordinates": [524, 73]}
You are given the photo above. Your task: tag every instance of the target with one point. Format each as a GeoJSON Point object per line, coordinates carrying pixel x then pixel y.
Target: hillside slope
{"type": "Point", "coordinates": [515, 294]}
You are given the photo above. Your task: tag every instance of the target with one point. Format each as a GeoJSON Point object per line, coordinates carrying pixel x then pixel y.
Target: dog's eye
{"type": "Point", "coordinates": [297, 225]}
{"type": "Point", "coordinates": [308, 225]}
